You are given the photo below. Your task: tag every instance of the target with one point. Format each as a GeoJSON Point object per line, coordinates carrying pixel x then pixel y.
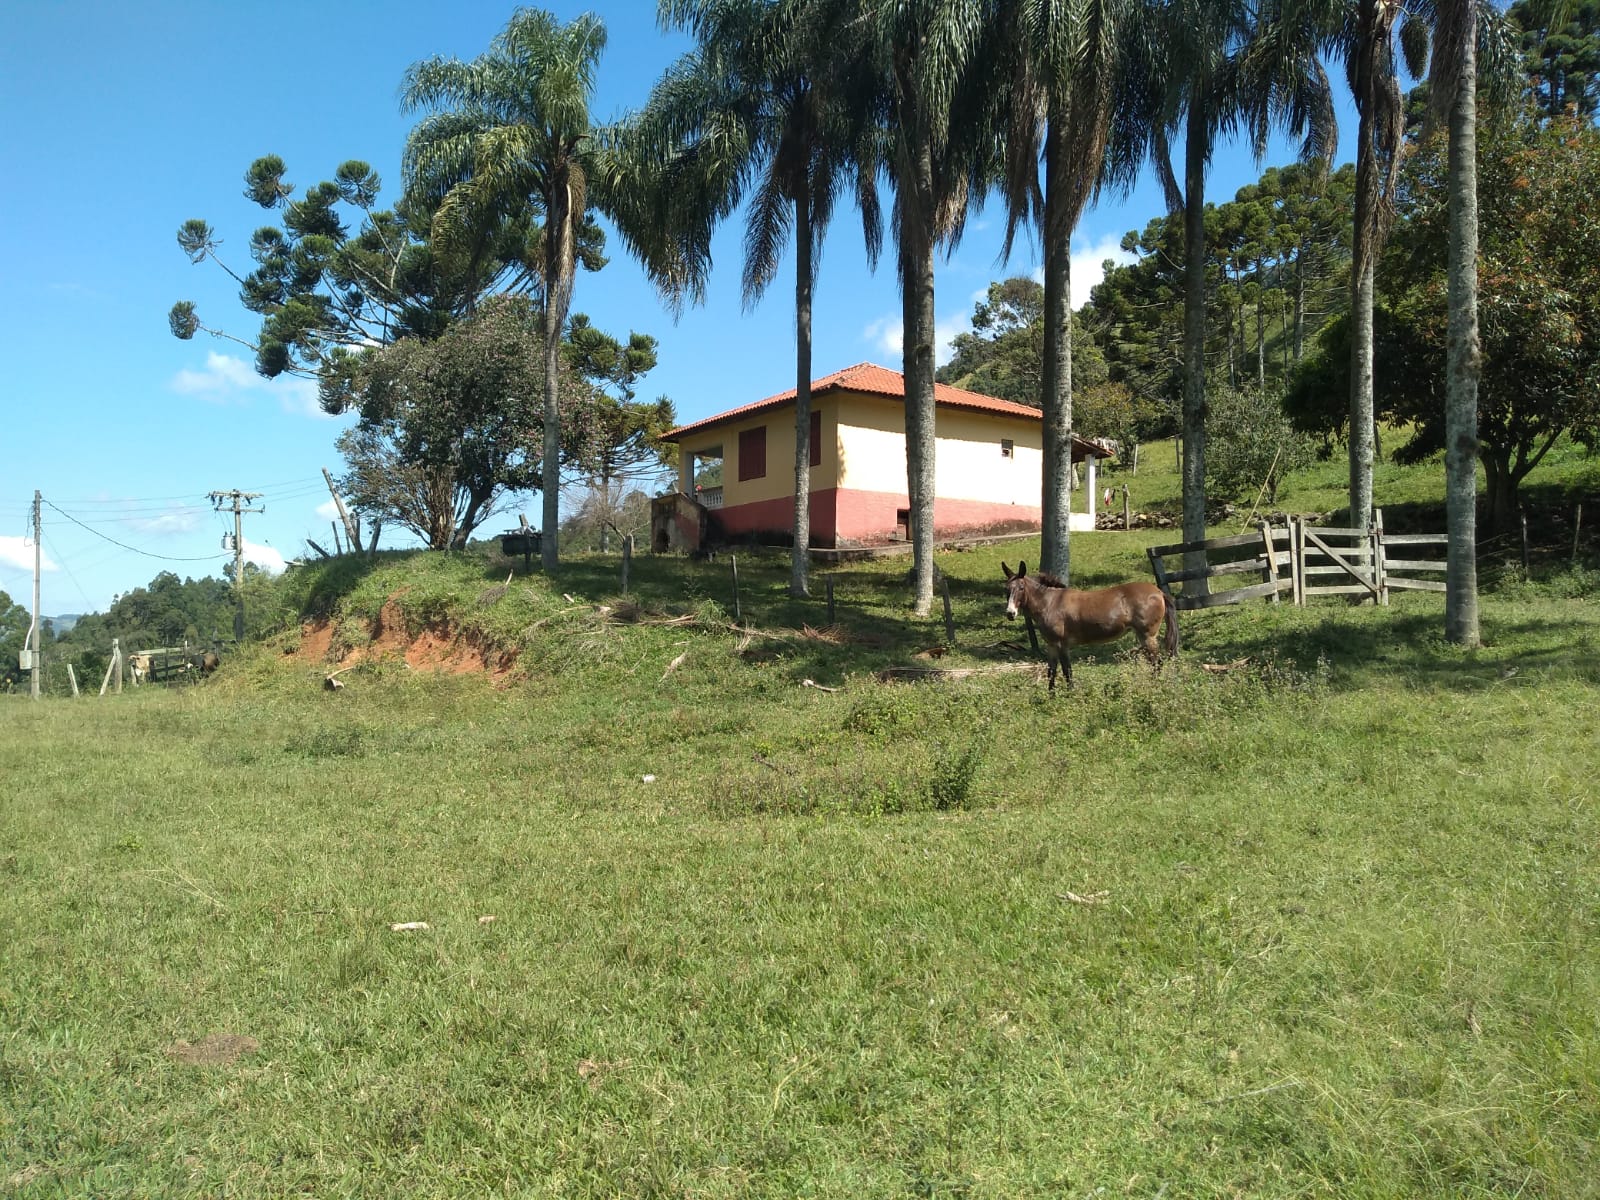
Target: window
{"type": "Point", "coordinates": [816, 438]}
{"type": "Point", "coordinates": [753, 453]}
{"type": "Point", "coordinates": [1008, 448]}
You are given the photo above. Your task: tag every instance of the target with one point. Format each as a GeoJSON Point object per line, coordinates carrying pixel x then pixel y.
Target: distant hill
{"type": "Point", "coordinates": [65, 622]}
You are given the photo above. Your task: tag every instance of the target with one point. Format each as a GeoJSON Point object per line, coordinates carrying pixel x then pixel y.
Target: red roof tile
{"type": "Point", "coordinates": [873, 380]}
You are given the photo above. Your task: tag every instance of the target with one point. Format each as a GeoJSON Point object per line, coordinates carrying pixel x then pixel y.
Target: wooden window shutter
{"type": "Point", "coordinates": [753, 453]}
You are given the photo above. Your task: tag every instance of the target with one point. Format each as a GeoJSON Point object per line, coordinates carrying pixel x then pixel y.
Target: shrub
{"type": "Point", "coordinates": [1250, 445]}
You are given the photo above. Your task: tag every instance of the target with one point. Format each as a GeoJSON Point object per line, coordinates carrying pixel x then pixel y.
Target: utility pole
{"type": "Point", "coordinates": [38, 538]}
{"type": "Point", "coordinates": [236, 500]}
{"type": "Point", "coordinates": [352, 526]}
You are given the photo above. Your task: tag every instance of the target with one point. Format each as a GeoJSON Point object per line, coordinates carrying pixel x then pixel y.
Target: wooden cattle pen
{"type": "Point", "coordinates": [166, 664]}
{"type": "Point", "coordinates": [1303, 560]}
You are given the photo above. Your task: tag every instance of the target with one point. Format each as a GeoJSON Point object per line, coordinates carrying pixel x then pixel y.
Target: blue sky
{"type": "Point", "coordinates": [122, 120]}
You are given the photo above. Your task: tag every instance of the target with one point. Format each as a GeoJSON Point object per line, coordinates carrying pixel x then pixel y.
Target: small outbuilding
{"type": "Point", "coordinates": [988, 462]}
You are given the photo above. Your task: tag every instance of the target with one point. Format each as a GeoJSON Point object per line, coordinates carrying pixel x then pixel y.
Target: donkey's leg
{"type": "Point", "coordinates": [1066, 661]}
{"type": "Point", "coordinates": [1050, 661]}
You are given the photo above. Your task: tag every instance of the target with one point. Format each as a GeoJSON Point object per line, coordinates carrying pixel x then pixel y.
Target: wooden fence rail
{"type": "Point", "coordinates": [1263, 553]}
{"type": "Point", "coordinates": [1409, 544]}
{"type": "Point", "coordinates": [1303, 559]}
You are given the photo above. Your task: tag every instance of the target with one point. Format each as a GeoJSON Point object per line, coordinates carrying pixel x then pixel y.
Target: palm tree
{"type": "Point", "coordinates": [1187, 46]}
{"type": "Point", "coordinates": [939, 163]}
{"type": "Point", "coordinates": [511, 130]}
{"type": "Point", "coordinates": [1057, 89]}
{"type": "Point", "coordinates": [756, 112]}
{"type": "Point", "coordinates": [1218, 70]}
{"type": "Point", "coordinates": [1453, 85]}
{"type": "Point", "coordinates": [1365, 41]}
{"type": "Point", "coordinates": [1464, 30]}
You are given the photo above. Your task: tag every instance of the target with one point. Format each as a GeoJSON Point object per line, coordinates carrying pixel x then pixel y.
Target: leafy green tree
{"type": "Point", "coordinates": [165, 612]}
{"type": "Point", "coordinates": [623, 443]}
{"type": "Point", "coordinates": [1279, 247]}
{"type": "Point", "coordinates": [449, 426]}
{"type": "Point", "coordinates": [323, 291]}
{"type": "Point", "coordinates": [1560, 55]}
{"type": "Point", "coordinates": [1539, 283]}
{"type": "Point", "coordinates": [762, 112]}
{"type": "Point", "coordinates": [14, 625]}
{"type": "Point", "coordinates": [509, 133]}
{"type": "Point", "coordinates": [1113, 410]}
{"type": "Point", "coordinates": [1253, 445]}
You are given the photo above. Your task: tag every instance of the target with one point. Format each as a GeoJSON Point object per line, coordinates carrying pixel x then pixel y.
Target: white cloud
{"type": "Point", "coordinates": [264, 557]}
{"type": "Point", "coordinates": [17, 551]}
{"type": "Point", "coordinates": [229, 380]}
{"type": "Point", "coordinates": [299, 396]}
{"type": "Point", "coordinates": [944, 333]}
{"type": "Point", "coordinates": [1088, 265]}
{"type": "Point", "coordinates": [886, 334]}
{"type": "Point", "coordinates": [328, 510]}
{"type": "Point", "coordinates": [178, 520]}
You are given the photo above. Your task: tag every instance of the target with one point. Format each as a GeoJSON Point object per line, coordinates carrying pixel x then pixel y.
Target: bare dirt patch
{"type": "Point", "coordinates": [436, 648]}
{"type": "Point", "coordinates": [213, 1050]}
{"type": "Point", "coordinates": [316, 637]}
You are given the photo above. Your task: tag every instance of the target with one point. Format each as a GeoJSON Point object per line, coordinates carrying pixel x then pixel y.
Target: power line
{"type": "Point", "coordinates": [63, 564]}
{"type": "Point", "coordinates": [135, 549]}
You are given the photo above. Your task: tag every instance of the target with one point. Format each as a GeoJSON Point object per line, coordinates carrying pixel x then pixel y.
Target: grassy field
{"type": "Point", "coordinates": [1323, 923]}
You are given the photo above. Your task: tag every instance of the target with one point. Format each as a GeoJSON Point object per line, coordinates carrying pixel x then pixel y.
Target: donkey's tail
{"type": "Point", "coordinates": [1172, 626]}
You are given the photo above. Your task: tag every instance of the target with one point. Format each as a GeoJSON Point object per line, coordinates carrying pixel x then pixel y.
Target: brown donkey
{"type": "Point", "coordinates": [1069, 617]}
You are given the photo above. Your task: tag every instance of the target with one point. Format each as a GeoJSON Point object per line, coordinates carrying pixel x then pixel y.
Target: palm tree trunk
{"type": "Point", "coordinates": [1361, 384]}
{"type": "Point", "coordinates": [1363, 252]}
{"type": "Point", "coordinates": [1462, 349]}
{"type": "Point", "coordinates": [800, 558]}
{"type": "Point", "coordinates": [1194, 341]}
{"type": "Point", "coordinates": [1056, 378]}
{"type": "Point", "coordinates": [916, 250]}
{"type": "Point", "coordinates": [557, 296]}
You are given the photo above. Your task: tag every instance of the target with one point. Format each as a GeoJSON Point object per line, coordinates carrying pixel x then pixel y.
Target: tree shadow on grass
{"type": "Point", "coordinates": [319, 586]}
{"type": "Point", "coordinates": [1364, 647]}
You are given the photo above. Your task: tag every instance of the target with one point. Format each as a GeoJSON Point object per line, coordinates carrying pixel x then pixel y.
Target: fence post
{"type": "Point", "coordinates": [831, 620]}
{"type": "Point", "coordinates": [1127, 513]}
{"type": "Point", "coordinates": [733, 564]}
{"type": "Point", "coordinates": [1577, 527]}
{"type": "Point", "coordinates": [1380, 570]}
{"type": "Point", "coordinates": [1271, 572]}
{"type": "Point", "coordinates": [72, 676]}
{"type": "Point", "coordinates": [116, 658]}
{"type": "Point", "coordinates": [110, 666]}
{"type": "Point", "coordinates": [627, 559]}
{"type": "Point", "coordinates": [949, 620]}
{"type": "Point", "coordinates": [1522, 515]}
{"type": "Point", "coordinates": [1297, 556]}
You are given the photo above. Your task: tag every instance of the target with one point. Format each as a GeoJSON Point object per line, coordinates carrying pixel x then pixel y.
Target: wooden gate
{"type": "Point", "coordinates": [1320, 560]}
{"type": "Point", "coordinates": [1331, 560]}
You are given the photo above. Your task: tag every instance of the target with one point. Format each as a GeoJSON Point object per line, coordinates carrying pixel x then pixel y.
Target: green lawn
{"type": "Point", "coordinates": [1344, 944]}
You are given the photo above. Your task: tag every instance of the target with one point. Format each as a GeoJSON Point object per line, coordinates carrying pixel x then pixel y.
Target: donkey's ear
{"type": "Point", "coordinates": [1006, 569]}
{"type": "Point", "coordinates": [1022, 569]}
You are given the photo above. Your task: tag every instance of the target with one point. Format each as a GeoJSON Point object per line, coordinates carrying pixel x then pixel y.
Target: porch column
{"type": "Point", "coordinates": [1094, 494]}
{"type": "Point", "coordinates": [686, 472]}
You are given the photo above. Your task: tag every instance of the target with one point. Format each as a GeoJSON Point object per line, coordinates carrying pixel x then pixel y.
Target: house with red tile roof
{"type": "Point", "coordinates": [988, 461]}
